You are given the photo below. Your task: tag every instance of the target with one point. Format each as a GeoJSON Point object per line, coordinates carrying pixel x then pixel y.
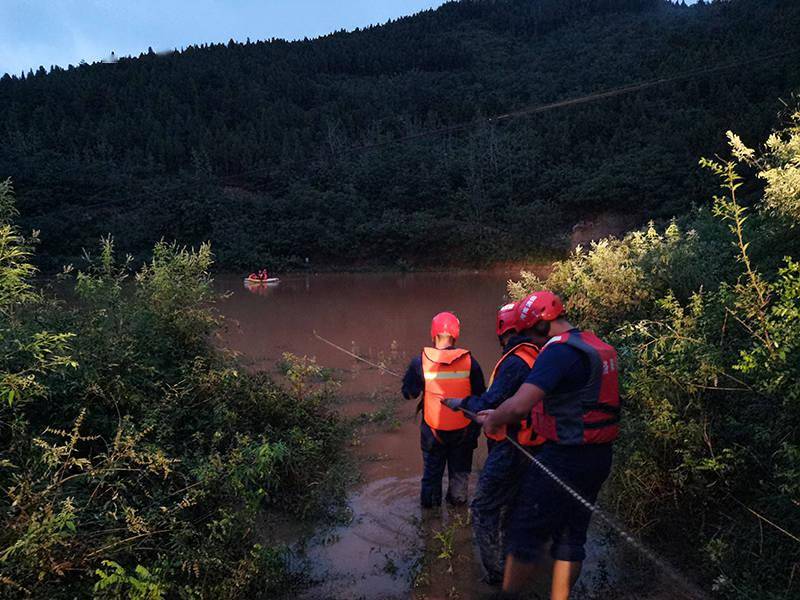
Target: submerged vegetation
{"type": "Point", "coordinates": [251, 144]}
{"type": "Point", "coordinates": [136, 460]}
{"type": "Point", "coordinates": [706, 315]}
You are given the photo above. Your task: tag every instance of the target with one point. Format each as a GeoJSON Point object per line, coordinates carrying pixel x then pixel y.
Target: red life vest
{"type": "Point", "coordinates": [591, 414]}
{"type": "Point", "coordinates": [525, 436]}
{"type": "Point", "coordinates": [446, 374]}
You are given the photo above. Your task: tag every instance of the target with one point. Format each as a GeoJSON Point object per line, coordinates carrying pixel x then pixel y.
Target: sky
{"type": "Point", "coordinates": [63, 32]}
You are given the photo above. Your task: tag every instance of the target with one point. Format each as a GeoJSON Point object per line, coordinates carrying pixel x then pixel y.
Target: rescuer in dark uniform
{"type": "Point", "coordinates": [448, 438]}
{"type": "Point", "coordinates": [505, 465]}
{"type": "Point", "coordinates": [572, 398]}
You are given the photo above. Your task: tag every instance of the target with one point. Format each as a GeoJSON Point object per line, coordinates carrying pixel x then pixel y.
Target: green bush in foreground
{"type": "Point", "coordinates": [135, 458]}
{"type": "Point", "coordinates": [707, 320]}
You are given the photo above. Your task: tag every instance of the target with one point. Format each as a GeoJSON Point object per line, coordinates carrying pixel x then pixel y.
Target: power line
{"type": "Point", "coordinates": [619, 91]}
{"type": "Point", "coordinates": [498, 118]}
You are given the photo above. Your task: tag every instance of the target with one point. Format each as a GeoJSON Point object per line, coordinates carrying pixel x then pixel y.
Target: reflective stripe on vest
{"type": "Point", "coordinates": [442, 375]}
{"type": "Point", "coordinates": [446, 374]}
{"type": "Point", "coordinates": [591, 414]}
{"type": "Point", "coordinates": [525, 436]}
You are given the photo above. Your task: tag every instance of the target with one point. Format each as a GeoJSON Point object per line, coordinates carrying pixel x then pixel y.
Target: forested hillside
{"type": "Point", "coordinates": [277, 151]}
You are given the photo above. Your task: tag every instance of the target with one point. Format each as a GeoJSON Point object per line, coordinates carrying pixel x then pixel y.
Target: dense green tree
{"type": "Point", "coordinates": [278, 150]}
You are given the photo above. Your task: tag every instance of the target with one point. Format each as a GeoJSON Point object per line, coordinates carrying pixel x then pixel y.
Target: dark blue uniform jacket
{"type": "Point", "coordinates": [509, 377]}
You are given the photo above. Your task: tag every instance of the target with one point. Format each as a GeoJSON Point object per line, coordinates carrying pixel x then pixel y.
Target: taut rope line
{"type": "Point", "coordinates": [357, 357]}
{"type": "Point", "coordinates": [669, 570]}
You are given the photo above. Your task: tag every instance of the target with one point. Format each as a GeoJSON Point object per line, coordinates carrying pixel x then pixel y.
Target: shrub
{"type": "Point", "coordinates": [136, 457]}
{"type": "Point", "coordinates": [709, 459]}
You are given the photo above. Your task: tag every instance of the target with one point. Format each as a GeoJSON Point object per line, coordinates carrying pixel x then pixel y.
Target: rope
{"type": "Point", "coordinates": [669, 570]}
{"type": "Point", "coordinates": [357, 357]}
{"type": "Point", "coordinates": [673, 573]}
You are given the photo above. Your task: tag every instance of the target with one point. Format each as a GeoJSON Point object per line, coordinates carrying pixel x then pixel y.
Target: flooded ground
{"type": "Point", "coordinates": [390, 548]}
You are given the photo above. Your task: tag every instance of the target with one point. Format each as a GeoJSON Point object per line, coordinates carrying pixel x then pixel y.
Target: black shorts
{"type": "Point", "coordinates": [544, 511]}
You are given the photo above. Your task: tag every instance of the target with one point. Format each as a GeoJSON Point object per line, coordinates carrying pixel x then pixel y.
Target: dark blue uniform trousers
{"type": "Point", "coordinates": [450, 449]}
{"type": "Point", "coordinates": [497, 488]}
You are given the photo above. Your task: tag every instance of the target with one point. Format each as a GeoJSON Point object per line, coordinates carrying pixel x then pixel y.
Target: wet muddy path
{"type": "Point", "coordinates": [390, 548]}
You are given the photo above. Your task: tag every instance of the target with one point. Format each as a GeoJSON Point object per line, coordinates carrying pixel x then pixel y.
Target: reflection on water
{"type": "Point", "coordinates": [375, 555]}
{"type": "Point", "coordinates": [391, 549]}
{"type": "Point", "coordinates": [385, 318]}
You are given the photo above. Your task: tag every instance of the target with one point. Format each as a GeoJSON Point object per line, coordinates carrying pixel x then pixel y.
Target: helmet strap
{"type": "Point", "coordinates": [444, 340]}
{"type": "Point", "coordinates": [542, 329]}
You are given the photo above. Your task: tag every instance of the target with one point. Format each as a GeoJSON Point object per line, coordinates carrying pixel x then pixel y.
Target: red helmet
{"type": "Point", "coordinates": [507, 318]}
{"type": "Point", "coordinates": [445, 323]}
{"type": "Point", "coordinates": [538, 306]}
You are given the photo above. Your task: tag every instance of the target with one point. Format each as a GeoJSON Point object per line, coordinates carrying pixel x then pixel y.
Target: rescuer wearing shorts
{"type": "Point", "coordinates": [572, 397]}
{"type": "Point", "coordinates": [505, 465]}
{"type": "Point", "coordinates": [447, 437]}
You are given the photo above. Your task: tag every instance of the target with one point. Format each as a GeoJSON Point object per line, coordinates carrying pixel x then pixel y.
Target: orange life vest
{"type": "Point", "coordinates": [525, 436]}
{"type": "Point", "coordinates": [446, 374]}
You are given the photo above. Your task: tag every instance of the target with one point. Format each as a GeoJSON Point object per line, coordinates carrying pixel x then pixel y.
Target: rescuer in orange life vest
{"type": "Point", "coordinates": [505, 465]}
{"type": "Point", "coordinates": [447, 437]}
{"type": "Point", "coordinates": [572, 398]}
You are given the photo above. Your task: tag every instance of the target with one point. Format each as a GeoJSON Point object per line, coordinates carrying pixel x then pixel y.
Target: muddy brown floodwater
{"type": "Point", "coordinates": [390, 548]}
